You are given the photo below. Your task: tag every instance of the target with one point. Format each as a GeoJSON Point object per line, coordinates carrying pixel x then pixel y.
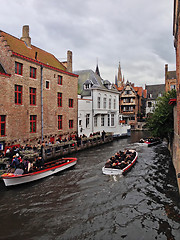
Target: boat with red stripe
{"type": "Point", "coordinates": [49, 168]}
{"type": "Point", "coordinates": [117, 166]}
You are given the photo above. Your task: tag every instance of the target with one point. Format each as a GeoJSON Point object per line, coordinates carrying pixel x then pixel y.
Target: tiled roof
{"type": "Point", "coordinates": [155, 90]}
{"type": "Point", "coordinates": [139, 90]}
{"type": "Point", "coordinates": [145, 93]}
{"type": "Point", "coordinates": [19, 46]}
{"type": "Point", "coordinates": [85, 75]}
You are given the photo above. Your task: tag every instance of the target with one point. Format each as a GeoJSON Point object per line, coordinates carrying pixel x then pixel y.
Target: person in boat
{"type": "Point", "coordinates": [39, 163]}
{"type": "Point", "coordinates": [25, 165]}
{"type": "Point", "coordinates": [15, 162]}
{"type": "Point", "coordinates": [108, 164]}
{"type": "Point", "coordinates": [113, 159]}
{"type": "Point", "coordinates": [122, 164]}
{"type": "Point", "coordinates": [117, 156]}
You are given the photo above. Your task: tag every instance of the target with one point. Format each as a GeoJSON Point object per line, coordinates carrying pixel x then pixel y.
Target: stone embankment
{"type": "Point", "coordinates": [58, 150]}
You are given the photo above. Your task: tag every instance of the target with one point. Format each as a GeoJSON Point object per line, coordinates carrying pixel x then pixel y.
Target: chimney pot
{"type": "Point", "coordinates": [25, 35]}
{"type": "Point", "coordinates": [69, 61]}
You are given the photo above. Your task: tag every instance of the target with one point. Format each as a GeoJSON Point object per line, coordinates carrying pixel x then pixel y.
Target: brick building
{"type": "Point", "coordinates": [38, 94]}
{"type": "Point", "coordinates": [170, 79]}
{"type": "Point", "coordinates": [176, 143]}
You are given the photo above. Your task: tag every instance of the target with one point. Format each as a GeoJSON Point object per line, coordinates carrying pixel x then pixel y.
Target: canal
{"type": "Point", "coordinates": [82, 203]}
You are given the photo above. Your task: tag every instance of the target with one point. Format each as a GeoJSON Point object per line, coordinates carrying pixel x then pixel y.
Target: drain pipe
{"type": "Point", "coordinates": [42, 124]}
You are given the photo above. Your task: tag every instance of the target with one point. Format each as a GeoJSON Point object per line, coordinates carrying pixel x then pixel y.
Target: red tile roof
{"type": "Point", "coordinates": [18, 46]}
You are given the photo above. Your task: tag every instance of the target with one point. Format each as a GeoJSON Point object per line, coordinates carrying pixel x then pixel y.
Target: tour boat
{"type": "Point", "coordinates": [50, 168]}
{"type": "Point", "coordinates": [149, 142]}
{"type": "Point", "coordinates": [116, 171]}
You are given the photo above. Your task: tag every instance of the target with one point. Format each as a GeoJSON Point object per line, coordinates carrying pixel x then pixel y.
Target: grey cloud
{"type": "Point", "coordinates": [138, 33]}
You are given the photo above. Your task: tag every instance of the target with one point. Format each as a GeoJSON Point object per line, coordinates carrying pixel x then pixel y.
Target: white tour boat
{"type": "Point", "coordinates": [117, 171]}
{"type": "Point", "coordinates": [50, 168]}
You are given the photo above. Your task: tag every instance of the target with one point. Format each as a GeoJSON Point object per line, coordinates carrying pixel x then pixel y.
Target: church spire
{"type": "Point", "coordinates": [119, 79]}
{"type": "Point", "coordinates": [97, 69]}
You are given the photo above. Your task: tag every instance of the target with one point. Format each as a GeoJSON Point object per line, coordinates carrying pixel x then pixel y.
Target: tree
{"type": "Point", "coordinates": [161, 122]}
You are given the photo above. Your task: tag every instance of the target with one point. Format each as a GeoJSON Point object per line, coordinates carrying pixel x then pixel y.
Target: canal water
{"type": "Point", "coordinates": [82, 203]}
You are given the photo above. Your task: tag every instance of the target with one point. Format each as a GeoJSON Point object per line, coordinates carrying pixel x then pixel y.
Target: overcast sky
{"type": "Point", "coordinates": [136, 33]}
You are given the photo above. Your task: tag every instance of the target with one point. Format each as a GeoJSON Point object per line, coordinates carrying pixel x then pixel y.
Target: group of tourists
{"type": "Point", "coordinates": [120, 160]}
{"type": "Point", "coordinates": [16, 160]}
{"type": "Point", "coordinates": [26, 165]}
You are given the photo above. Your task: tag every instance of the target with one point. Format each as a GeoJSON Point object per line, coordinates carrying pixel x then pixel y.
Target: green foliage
{"type": "Point", "coordinates": [161, 122]}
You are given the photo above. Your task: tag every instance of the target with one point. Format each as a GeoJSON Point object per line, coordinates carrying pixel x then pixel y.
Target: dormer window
{"type": "Point", "coordinates": [88, 84]}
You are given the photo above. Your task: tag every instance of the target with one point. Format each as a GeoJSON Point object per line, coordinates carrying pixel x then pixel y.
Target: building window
{"type": "Point", "coordinates": [173, 87]}
{"type": "Point", "coordinates": [2, 125]}
{"type": "Point", "coordinates": [110, 103]}
{"type": "Point", "coordinates": [32, 92]}
{"type": "Point", "coordinates": [114, 103]}
{"type": "Point", "coordinates": [47, 85]}
{"type": "Point", "coordinates": [98, 102]}
{"type": "Point", "coordinates": [95, 121]}
{"type": "Point", "coordinates": [33, 123]}
{"type": "Point", "coordinates": [104, 103]}
{"type": "Point", "coordinates": [108, 120]}
{"type": "Point", "coordinates": [80, 122]}
{"type": "Point", "coordinates": [59, 99]}
{"type": "Point", "coordinates": [87, 120]}
{"type": "Point", "coordinates": [70, 123]}
{"type": "Point", "coordinates": [112, 119]}
{"type": "Point", "coordinates": [18, 94]}
{"type": "Point", "coordinates": [102, 120]}
{"type": "Point", "coordinates": [71, 103]}
{"type": "Point", "coordinates": [18, 68]}
{"type": "Point", "coordinates": [149, 104]}
{"type": "Point", "coordinates": [59, 122]}
{"type": "Point", "coordinates": [59, 80]}
{"type": "Point", "coordinates": [32, 72]}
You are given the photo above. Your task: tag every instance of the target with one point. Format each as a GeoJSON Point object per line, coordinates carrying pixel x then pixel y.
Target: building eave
{"type": "Point", "coordinates": [43, 64]}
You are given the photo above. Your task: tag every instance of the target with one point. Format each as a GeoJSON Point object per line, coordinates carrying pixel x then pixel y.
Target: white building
{"type": "Point", "coordinates": [98, 105]}
{"type": "Point", "coordinates": [153, 92]}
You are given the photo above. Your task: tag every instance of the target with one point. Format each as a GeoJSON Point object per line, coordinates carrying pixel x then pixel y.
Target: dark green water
{"type": "Point", "coordinates": [82, 203]}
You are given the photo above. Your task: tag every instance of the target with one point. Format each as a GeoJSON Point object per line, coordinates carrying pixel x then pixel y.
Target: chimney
{"type": "Point", "coordinates": [166, 71]}
{"type": "Point", "coordinates": [25, 35]}
{"type": "Point", "coordinates": [69, 61]}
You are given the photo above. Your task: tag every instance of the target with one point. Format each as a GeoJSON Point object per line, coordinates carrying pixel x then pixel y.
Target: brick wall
{"type": "Point", "coordinates": [18, 116]}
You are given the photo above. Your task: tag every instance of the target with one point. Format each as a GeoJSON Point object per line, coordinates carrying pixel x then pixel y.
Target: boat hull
{"type": "Point", "coordinates": [114, 171]}
{"type": "Point", "coordinates": [12, 180]}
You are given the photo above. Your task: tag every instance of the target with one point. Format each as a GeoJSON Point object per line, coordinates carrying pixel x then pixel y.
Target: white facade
{"type": "Point", "coordinates": [150, 106]}
{"type": "Point", "coordinates": [99, 112]}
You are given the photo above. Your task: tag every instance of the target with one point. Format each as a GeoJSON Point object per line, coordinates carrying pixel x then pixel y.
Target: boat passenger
{"type": "Point", "coordinates": [113, 159]}
{"type": "Point", "coordinates": [25, 165]}
{"type": "Point", "coordinates": [117, 156]}
{"type": "Point", "coordinates": [39, 163]}
{"type": "Point", "coordinates": [122, 165]}
{"type": "Point", "coordinates": [15, 162]}
{"type": "Point", "coordinates": [108, 164]}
